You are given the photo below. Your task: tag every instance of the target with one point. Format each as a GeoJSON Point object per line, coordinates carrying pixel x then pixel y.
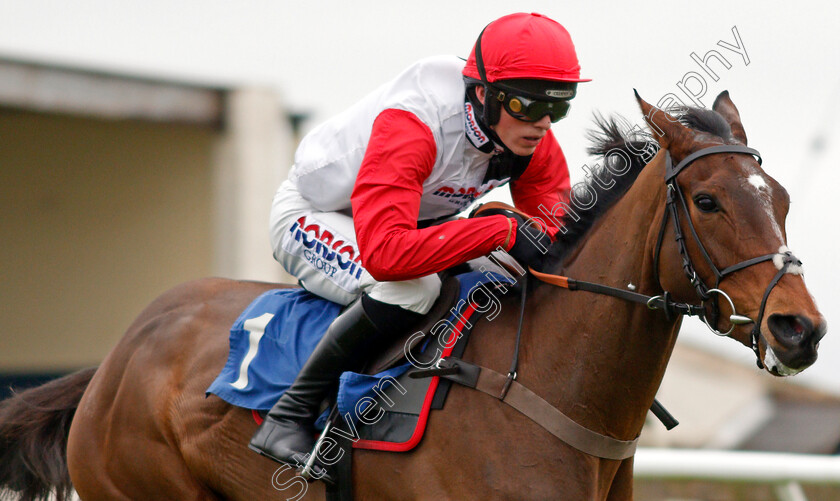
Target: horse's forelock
{"type": "Point", "coordinates": [703, 120]}
{"type": "Point", "coordinates": [615, 138]}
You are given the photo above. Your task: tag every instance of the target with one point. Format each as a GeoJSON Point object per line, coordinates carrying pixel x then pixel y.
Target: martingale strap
{"type": "Point", "coordinates": [533, 406]}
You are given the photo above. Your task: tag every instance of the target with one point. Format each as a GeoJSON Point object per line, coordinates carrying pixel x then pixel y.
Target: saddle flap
{"type": "Point", "coordinates": [395, 351]}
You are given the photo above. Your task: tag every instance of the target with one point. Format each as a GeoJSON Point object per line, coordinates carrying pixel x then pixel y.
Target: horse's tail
{"type": "Point", "coordinates": [34, 425]}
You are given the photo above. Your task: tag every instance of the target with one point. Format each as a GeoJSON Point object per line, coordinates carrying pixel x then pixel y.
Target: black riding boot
{"type": "Point", "coordinates": [287, 435]}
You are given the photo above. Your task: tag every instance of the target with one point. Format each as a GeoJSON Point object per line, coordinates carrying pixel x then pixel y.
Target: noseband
{"type": "Point", "coordinates": [675, 200]}
{"type": "Point", "coordinates": [545, 414]}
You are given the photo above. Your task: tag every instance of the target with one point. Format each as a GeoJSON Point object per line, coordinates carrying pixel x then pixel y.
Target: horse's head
{"type": "Point", "coordinates": [730, 212]}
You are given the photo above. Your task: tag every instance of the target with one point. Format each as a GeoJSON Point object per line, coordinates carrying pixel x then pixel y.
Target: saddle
{"type": "Point", "coordinates": [395, 415]}
{"type": "Point", "coordinates": [391, 355]}
{"type": "Point", "coordinates": [379, 408]}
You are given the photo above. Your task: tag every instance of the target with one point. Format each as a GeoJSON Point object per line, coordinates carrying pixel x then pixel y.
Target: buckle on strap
{"type": "Point", "coordinates": [511, 377]}
{"type": "Point", "coordinates": [451, 368]}
{"type": "Point", "coordinates": [443, 367]}
{"type": "Point", "coordinates": [659, 303]}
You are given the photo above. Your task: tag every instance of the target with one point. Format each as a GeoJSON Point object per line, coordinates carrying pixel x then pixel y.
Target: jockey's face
{"type": "Point", "coordinates": [519, 136]}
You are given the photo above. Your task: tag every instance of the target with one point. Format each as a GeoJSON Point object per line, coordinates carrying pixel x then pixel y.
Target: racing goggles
{"type": "Point", "coordinates": [531, 110]}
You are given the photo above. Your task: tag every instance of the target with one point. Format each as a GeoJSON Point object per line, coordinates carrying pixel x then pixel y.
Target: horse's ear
{"type": "Point", "coordinates": [665, 127]}
{"type": "Point", "coordinates": [726, 108]}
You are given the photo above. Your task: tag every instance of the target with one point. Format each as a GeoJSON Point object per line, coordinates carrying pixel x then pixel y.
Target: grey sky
{"type": "Point", "coordinates": [323, 56]}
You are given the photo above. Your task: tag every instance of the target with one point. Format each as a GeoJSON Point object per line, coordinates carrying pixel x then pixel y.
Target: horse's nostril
{"type": "Point", "coordinates": [792, 330]}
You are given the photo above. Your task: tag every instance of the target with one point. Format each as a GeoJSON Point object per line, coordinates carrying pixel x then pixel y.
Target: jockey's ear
{"type": "Point", "coordinates": [726, 108]}
{"type": "Point", "coordinates": [480, 93]}
{"type": "Point", "coordinates": [665, 127]}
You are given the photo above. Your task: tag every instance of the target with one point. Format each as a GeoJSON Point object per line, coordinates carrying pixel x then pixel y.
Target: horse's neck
{"type": "Point", "coordinates": [608, 355]}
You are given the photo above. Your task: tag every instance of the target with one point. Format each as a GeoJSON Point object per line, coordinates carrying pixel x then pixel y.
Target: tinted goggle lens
{"type": "Point", "coordinates": [532, 110]}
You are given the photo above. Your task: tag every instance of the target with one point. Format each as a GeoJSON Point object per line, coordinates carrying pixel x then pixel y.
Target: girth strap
{"type": "Point", "coordinates": [532, 405]}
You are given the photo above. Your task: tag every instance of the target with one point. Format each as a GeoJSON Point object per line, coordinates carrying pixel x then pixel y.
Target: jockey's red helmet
{"type": "Point", "coordinates": [526, 46]}
{"type": "Point", "coordinates": [526, 62]}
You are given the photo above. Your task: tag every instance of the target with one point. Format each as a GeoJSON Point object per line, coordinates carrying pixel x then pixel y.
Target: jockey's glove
{"type": "Point", "coordinates": [531, 243]}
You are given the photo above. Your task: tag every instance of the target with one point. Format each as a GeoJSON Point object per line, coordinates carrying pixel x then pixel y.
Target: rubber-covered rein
{"type": "Point", "coordinates": [653, 302]}
{"type": "Point", "coordinates": [663, 301]}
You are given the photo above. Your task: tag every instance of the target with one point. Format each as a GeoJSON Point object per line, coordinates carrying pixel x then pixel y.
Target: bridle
{"type": "Point", "coordinates": [674, 200]}
{"type": "Point", "coordinates": [511, 392]}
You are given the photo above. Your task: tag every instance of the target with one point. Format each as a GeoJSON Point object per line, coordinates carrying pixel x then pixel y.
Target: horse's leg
{"type": "Point", "coordinates": [145, 430]}
{"type": "Point", "coordinates": [163, 476]}
{"type": "Point", "coordinates": [214, 438]}
{"type": "Point", "coordinates": [117, 450]}
{"type": "Point", "coordinates": [127, 441]}
{"type": "Point", "coordinates": [622, 485]}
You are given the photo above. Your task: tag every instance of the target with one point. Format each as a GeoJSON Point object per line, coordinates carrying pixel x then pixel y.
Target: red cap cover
{"type": "Point", "coordinates": [520, 46]}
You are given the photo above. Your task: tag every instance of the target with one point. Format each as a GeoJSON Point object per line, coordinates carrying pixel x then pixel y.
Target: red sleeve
{"type": "Point", "coordinates": [545, 181]}
{"type": "Point", "coordinates": [386, 205]}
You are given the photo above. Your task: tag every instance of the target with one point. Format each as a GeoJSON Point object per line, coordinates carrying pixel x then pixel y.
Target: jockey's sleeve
{"type": "Point", "coordinates": [386, 203]}
{"type": "Point", "coordinates": [545, 182]}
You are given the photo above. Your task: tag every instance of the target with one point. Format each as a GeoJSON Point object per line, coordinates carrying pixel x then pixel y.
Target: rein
{"type": "Point", "coordinates": [511, 392]}
{"type": "Point", "coordinates": [663, 301]}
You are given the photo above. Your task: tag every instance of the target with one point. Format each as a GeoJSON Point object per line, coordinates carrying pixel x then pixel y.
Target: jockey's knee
{"type": "Point", "coordinates": [417, 295]}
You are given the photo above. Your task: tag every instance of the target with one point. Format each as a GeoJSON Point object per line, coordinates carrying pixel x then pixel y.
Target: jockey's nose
{"type": "Point", "coordinates": [544, 122]}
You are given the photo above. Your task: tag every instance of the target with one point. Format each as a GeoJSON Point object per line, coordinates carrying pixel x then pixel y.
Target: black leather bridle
{"type": "Point", "coordinates": [664, 301]}
{"type": "Point", "coordinates": [674, 201]}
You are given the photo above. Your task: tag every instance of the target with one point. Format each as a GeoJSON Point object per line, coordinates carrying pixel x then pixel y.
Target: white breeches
{"type": "Point", "coordinates": [319, 248]}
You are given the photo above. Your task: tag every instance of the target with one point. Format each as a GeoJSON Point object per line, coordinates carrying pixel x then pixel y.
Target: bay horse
{"type": "Point", "coordinates": [141, 428]}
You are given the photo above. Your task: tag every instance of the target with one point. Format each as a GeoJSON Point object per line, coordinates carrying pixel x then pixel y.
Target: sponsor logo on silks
{"type": "Point", "coordinates": [474, 133]}
{"type": "Point", "coordinates": [325, 251]}
{"type": "Point", "coordinates": [461, 197]}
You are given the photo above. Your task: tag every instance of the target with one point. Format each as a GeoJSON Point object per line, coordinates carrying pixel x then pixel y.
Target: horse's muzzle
{"type": "Point", "coordinates": [797, 338]}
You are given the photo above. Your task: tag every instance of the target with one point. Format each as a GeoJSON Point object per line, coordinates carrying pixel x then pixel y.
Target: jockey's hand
{"type": "Point", "coordinates": [531, 242]}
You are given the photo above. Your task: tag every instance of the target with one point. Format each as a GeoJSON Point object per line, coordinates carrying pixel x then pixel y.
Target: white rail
{"type": "Point", "coordinates": [784, 471]}
{"type": "Point", "coordinates": [736, 466]}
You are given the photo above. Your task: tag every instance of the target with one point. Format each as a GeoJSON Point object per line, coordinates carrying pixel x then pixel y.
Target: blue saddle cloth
{"type": "Point", "coordinates": [276, 334]}
{"type": "Point", "coordinates": [269, 343]}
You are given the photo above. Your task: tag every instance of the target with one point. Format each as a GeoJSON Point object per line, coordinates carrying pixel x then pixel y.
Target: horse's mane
{"type": "Point", "coordinates": [616, 140]}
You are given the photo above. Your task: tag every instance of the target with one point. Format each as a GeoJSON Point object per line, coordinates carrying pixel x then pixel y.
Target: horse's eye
{"type": "Point", "coordinates": [705, 203]}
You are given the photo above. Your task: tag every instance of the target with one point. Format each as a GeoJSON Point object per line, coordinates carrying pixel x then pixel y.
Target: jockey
{"type": "Point", "coordinates": [361, 219]}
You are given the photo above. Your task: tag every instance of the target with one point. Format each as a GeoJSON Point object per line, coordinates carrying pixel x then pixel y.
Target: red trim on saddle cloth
{"type": "Point", "coordinates": [427, 403]}
{"type": "Point", "coordinates": [412, 442]}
